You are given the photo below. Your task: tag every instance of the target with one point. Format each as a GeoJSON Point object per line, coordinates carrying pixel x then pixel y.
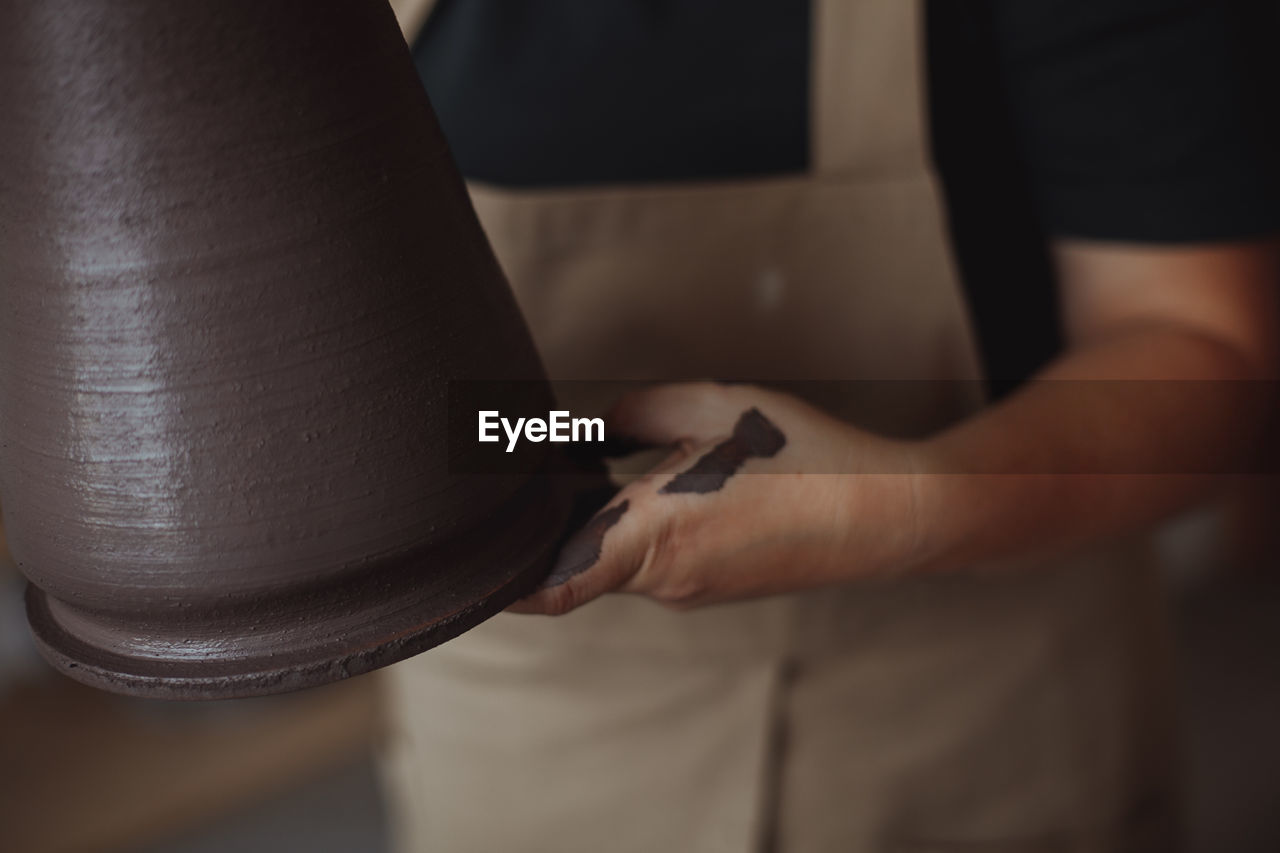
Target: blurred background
{"type": "Point", "coordinates": [82, 770]}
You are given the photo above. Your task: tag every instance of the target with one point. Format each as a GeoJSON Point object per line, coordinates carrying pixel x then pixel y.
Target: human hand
{"type": "Point", "coordinates": [763, 494]}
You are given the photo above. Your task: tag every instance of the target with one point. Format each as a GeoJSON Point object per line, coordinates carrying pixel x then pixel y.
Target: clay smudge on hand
{"type": "Point", "coordinates": [754, 437]}
{"type": "Point", "coordinates": [582, 551]}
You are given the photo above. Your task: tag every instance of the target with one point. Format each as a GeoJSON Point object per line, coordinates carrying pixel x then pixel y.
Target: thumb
{"type": "Point", "coordinates": [591, 562]}
{"type": "Point", "coordinates": [611, 549]}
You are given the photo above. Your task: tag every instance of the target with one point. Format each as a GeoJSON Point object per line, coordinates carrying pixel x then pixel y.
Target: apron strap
{"type": "Point", "coordinates": [861, 123]}
{"type": "Point", "coordinates": [412, 15]}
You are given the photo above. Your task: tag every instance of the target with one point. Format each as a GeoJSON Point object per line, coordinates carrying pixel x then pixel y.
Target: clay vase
{"type": "Point", "coordinates": [238, 272]}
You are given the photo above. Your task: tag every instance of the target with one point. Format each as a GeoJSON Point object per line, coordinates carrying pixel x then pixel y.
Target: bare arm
{"type": "Point", "coordinates": [1167, 347]}
{"type": "Point", "coordinates": [1076, 457]}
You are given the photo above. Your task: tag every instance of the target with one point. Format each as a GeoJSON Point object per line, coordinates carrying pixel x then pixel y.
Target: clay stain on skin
{"type": "Point", "coordinates": [754, 437]}
{"type": "Point", "coordinates": [582, 551]}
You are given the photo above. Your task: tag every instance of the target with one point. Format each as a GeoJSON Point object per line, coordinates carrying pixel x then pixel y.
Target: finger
{"type": "Point", "coordinates": [607, 553]}
{"type": "Point", "coordinates": [589, 454]}
{"type": "Point", "coordinates": [692, 412]}
{"type": "Point", "coordinates": [597, 559]}
{"type": "Point", "coordinates": [583, 549]}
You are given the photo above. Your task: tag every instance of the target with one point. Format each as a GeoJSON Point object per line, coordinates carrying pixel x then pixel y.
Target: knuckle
{"type": "Point", "coordinates": [677, 585]}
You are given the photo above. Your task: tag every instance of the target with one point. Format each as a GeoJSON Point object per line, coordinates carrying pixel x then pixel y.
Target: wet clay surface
{"type": "Point", "coordinates": [238, 270]}
{"type": "Point", "coordinates": [754, 437]}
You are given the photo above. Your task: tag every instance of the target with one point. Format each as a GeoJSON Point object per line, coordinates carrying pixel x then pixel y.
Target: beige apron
{"type": "Point", "coordinates": [1020, 713]}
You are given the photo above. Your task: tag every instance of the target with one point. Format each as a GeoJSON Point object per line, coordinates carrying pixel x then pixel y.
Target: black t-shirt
{"type": "Point", "coordinates": [1133, 120]}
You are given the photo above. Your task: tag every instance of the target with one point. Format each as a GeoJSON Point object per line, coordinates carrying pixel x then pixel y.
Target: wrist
{"type": "Point", "coordinates": [888, 513]}
{"type": "Point", "coordinates": [944, 510]}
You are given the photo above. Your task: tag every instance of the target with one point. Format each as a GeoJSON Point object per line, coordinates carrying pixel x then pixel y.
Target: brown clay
{"type": "Point", "coordinates": [237, 271]}
{"type": "Point", "coordinates": [754, 437]}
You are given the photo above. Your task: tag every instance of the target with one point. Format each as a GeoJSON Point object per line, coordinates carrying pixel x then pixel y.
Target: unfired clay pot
{"type": "Point", "coordinates": [238, 270]}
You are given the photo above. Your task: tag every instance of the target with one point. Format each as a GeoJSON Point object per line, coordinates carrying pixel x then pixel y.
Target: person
{"type": "Point", "coordinates": [931, 623]}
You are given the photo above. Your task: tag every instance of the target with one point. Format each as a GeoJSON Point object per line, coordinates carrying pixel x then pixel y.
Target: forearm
{"type": "Point", "coordinates": [1102, 444]}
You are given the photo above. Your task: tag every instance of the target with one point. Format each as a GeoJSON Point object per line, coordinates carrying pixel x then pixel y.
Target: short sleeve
{"type": "Point", "coordinates": [1145, 120]}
